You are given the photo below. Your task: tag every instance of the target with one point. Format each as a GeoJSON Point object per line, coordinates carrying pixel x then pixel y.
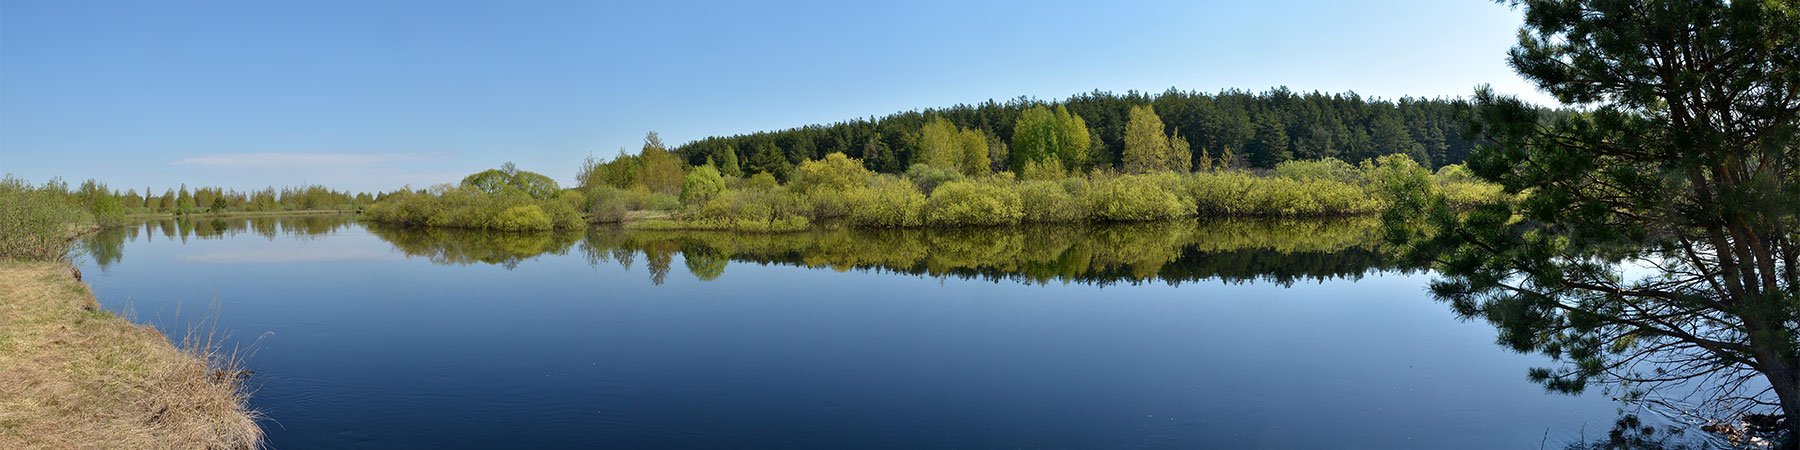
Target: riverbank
{"type": "Point", "coordinates": [73, 375]}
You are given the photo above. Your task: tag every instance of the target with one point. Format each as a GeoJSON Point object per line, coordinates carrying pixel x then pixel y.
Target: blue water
{"type": "Point", "coordinates": [358, 345]}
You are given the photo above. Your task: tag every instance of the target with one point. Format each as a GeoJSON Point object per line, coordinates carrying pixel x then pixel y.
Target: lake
{"type": "Point", "coordinates": [1211, 334]}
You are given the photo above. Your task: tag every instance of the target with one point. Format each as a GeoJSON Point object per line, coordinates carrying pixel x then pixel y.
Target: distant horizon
{"type": "Point", "coordinates": [374, 97]}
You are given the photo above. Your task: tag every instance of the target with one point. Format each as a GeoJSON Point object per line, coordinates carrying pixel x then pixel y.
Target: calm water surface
{"type": "Point", "coordinates": [1190, 335]}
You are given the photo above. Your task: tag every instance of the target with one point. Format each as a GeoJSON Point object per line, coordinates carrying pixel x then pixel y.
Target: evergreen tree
{"type": "Point", "coordinates": [1655, 244]}
{"type": "Point", "coordinates": [728, 164]}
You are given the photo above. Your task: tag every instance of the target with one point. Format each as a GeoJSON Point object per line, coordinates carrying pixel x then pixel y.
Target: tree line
{"type": "Point", "coordinates": [1233, 129]}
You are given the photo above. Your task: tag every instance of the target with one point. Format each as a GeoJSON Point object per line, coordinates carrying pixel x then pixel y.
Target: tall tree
{"type": "Point", "coordinates": [1146, 148]}
{"type": "Point", "coordinates": [1042, 133]}
{"type": "Point", "coordinates": [728, 162]}
{"type": "Point", "coordinates": [1657, 245]}
{"type": "Point", "coordinates": [944, 145]}
{"type": "Point", "coordinates": [661, 171]}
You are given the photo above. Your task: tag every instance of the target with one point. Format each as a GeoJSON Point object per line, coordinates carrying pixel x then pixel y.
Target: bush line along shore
{"type": "Point", "coordinates": [839, 190]}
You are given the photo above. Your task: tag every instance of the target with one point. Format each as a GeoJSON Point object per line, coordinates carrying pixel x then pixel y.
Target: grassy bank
{"type": "Point", "coordinates": [75, 376]}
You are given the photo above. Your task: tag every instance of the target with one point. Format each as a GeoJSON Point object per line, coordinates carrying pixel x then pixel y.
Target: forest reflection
{"type": "Point", "coordinates": [1237, 250]}
{"type": "Point", "coordinates": [1174, 252]}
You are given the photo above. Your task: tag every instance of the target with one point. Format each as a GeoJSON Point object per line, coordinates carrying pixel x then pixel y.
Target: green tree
{"type": "Point", "coordinates": [728, 162]}
{"type": "Point", "coordinates": [168, 201]}
{"type": "Point", "coordinates": [660, 170]}
{"type": "Point", "coordinates": [768, 159]}
{"type": "Point", "coordinates": [1657, 244]}
{"type": "Point", "coordinates": [1042, 133]}
{"type": "Point", "coordinates": [509, 180]}
{"type": "Point", "coordinates": [183, 200]}
{"type": "Point", "coordinates": [1146, 147]}
{"type": "Point", "coordinates": [1181, 154]}
{"type": "Point", "coordinates": [701, 185]}
{"type": "Point", "coordinates": [944, 145]}
{"type": "Point", "coordinates": [835, 172]}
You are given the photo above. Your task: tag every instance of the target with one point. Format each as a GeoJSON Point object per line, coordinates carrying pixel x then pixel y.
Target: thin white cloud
{"type": "Point", "coordinates": [293, 159]}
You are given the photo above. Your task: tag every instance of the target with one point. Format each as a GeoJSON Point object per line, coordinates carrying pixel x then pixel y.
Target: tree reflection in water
{"type": "Point", "coordinates": [1238, 250]}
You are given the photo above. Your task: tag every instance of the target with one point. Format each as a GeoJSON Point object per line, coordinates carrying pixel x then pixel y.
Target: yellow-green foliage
{"type": "Point", "coordinates": [973, 203]}
{"type": "Point", "coordinates": [523, 218]}
{"type": "Point", "coordinates": [35, 223]}
{"type": "Point", "coordinates": [1042, 169]}
{"type": "Point", "coordinates": [786, 225]}
{"type": "Point", "coordinates": [701, 184]}
{"type": "Point", "coordinates": [887, 202]}
{"type": "Point", "coordinates": [839, 187]}
{"type": "Point", "coordinates": [834, 172]}
{"type": "Point", "coordinates": [1233, 193]}
{"type": "Point", "coordinates": [1330, 169]}
{"type": "Point", "coordinates": [761, 182]}
{"type": "Point", "coordinates": [928, 177]}
{"type": "Point", "coordinates": [1129, 198]}
{"type": "Point", "coordinates": [468, 207]}
{"type": "Point", "coordinates": [944, 145]}
{"type": "Point", "coordinates": [639, 198]}
{"type": "Point", "coordinates": [737, 209]}
{"type": "Point", "coordinates": [1049, 201]}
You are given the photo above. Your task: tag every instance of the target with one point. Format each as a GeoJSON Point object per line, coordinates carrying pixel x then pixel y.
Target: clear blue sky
{"type": "Point", "coordinates": [373, 95]}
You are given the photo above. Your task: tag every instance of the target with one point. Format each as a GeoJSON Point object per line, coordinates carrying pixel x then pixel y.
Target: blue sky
{"type": "Point", "coordinates": [374, 95]}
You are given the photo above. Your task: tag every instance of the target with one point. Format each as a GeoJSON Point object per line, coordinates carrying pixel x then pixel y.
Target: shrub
{"type": "Point", "coordinates": [834, 172]}
{"type": "Point", "coordinates": [823, 203]}
{"type": "Point", "coordinates": [888, 202]}
{"type": "Point", "coordinates": [1126, 198]}
{"type": "Point", "coordinates": [761, 182]}
{"type": "Point", "coordinates": [928, 178]}
{"type": "Point", "coordinates": [1047, 201]}
{"type": "Point", "coordinates": [701, 184]}
{"type": "Point", "coordinates": [972, 203]}
{"type": "Point", "coordinates": [605, 204]}
{"type": "Point", "coordinates": [470, 207]}
{"type": "Point", "coordinates": [1454, 173]}
{"type": "Point", "coordinates": [35, 224]}
{"type": "Point", "coordinates": [523, 218]}
{"type": "Point", "coordinates": [640, 198]}
{"type": "Point", "coordinates": [1328, 169]}
{"type": "Point", "coordinates": [1242, 194]}
{"type": "Point", "coordinates": [110, 212]}
{"type": "Point", "coordinates": [1042, 169]}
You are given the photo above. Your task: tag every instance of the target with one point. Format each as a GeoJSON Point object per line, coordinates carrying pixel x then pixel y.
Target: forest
{"type": "Point", "coordinates": [1243, 129]}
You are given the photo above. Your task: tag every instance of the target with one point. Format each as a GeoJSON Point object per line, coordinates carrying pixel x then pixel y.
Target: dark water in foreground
{"type": "Point", "coordinates": [1192, 335]}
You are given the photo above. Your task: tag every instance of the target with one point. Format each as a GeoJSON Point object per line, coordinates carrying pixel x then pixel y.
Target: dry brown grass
{"type": "Point", "coordinates": [74, 376]}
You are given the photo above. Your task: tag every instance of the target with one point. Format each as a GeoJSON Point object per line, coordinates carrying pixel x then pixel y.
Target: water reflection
{"type": "Point", "coordinates": [463, 247]}
{"type": "Point", "coordinates": [106, 246]}
{"type": "Point", "coordinates": [1235, 251]}
{"type": "Point", "coordinates": [1173, 252]}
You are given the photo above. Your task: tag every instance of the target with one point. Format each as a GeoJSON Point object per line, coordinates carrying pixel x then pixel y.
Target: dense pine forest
{"type": "Point", "coordinates": [1244, 129]}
